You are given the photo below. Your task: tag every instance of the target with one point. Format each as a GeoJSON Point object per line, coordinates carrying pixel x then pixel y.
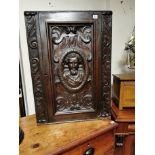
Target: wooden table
{"type": "Point", "coordinates": [126, 129]}
{"type": "Point", "coordinates": [68, 138]}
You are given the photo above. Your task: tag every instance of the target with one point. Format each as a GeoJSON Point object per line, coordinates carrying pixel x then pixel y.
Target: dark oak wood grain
{"type": "Point", "coordinates": [70, 59]}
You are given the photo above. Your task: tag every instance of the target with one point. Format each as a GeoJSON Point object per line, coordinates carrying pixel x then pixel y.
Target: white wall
{"type": "Point", "coordinates": [123, 23]}
{"type": "Point", "coordinates": [122, 27]}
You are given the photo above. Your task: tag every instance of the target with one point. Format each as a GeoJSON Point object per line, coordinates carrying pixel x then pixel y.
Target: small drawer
{"type": "Point", "coordinates": [100, 145]}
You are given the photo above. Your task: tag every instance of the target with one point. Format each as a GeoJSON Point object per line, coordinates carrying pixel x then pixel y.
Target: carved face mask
{"type": "Point", "coordinates": [73, 65]}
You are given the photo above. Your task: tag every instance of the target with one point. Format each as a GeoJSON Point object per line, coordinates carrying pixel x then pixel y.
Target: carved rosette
{"type": "Point", "coordinates": [106, 64]}
{"type": "Point", "coordinates": [71, 46]}
{"type": "Point", "coordinates": [30, 20]}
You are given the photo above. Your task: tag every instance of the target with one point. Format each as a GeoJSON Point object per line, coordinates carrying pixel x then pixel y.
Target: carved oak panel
{"type": "Point", "coordinates": [71, 50]}
{"type": "Point", "coordinates": [70, 59]}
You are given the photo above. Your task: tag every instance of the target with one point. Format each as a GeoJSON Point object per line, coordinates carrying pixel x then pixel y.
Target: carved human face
{"type": "Point", "coordinates": [73, 65]}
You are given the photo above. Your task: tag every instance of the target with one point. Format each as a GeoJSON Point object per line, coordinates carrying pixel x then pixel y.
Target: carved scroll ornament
{"type": "Point", "coordinates": [30, 19]}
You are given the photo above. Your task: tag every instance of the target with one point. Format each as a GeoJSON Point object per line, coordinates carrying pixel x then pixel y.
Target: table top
{"type": "Point", "coordinates": [125, 115]}
{"type": "Point", "coordinates": [125, 77]}
{"type": "Point", "coordinates": [52, 139]}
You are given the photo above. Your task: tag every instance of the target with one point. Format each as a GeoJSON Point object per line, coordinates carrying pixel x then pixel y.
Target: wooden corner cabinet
{"type": "Point", "coordinates": [124, 90]}
{"type": "Point", "coordinates": [95, 137]}
{"type": "Point", "coordinates": [70, 60]}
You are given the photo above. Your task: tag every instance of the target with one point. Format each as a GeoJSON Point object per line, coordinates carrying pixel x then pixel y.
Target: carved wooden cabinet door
{"type": "Point", "coordinates": [70, 59]}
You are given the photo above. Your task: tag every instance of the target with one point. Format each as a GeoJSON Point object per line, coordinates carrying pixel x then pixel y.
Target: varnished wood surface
{"type": "Point", "coordinates": [131, 127]}
{"type": "Point", "coordinates": [125, 77]}
{"type": "Point", "coordinates": [103, 144]}
{"type": "Point", "coordinates": [123, 93]}
{"type": "Point", "coordinates": [118, 150]}
{"type": "Point", "coordinates": [126, 127]}
{"type": "Point", "coordinates": [59, 138]}
{"type": "Point", "coordinates": [129, 145]}
{"type": "Point", "coordinates": [126, 115]}
{"type": "Point", "coordinates": [127, 94]}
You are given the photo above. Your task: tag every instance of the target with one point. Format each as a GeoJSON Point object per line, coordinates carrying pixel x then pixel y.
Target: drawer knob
{"type": "Point", "coordinates": [90, 151]}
